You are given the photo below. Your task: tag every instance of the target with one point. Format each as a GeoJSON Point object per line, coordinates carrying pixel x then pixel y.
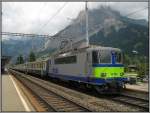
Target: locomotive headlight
{"type": "Point", "coordinates": [103, 74]}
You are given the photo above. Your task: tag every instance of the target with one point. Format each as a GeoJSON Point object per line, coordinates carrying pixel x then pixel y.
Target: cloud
{"type": "Point", "coordinates": [30, 17]}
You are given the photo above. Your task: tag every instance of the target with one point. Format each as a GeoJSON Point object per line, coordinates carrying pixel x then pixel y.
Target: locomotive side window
{"type": "Point", "coordinates": [66, 60]}
{"type": "Point", "coordinates": [118, 57]}
{"type": "Point", "coordinates": [40, 65]}
{"type": "Point", "coordinates": [95, 57]}
{"type": "Point", "coordinates": [50, 62]}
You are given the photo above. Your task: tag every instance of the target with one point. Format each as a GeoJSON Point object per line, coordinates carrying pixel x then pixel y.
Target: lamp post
{"type": "Point", "coordinates": [134, 53]}
{"type": "Point", "coordinates": [87, 27]}
{"type": "Point", "coordinates": [70, 40]}
{"type": "Point", "coordinates": [145, 65]}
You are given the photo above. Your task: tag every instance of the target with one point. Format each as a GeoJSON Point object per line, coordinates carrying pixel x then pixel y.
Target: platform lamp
{"type": "Point", "coordinates": [134, 53]}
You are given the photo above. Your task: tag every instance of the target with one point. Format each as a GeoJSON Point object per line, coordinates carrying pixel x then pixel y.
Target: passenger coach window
{"type": "Point", "coordinates": [66, 60]}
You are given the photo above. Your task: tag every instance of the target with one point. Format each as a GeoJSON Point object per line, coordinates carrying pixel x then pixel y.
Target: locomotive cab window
{"type": "Point", "coordinates": [102, 56]}
{"type": "Point", "coordinates": [105, 56]}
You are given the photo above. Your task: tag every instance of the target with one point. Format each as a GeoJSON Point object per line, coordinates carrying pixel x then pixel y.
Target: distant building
{"type": "Point", "coordinates": [132, 68]}
{"type": "Point", "coordinates": [132, 74]}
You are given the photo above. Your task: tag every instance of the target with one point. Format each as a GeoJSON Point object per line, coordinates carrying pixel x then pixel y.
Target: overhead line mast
{"type": "Point", "coordinates": [87, 35]}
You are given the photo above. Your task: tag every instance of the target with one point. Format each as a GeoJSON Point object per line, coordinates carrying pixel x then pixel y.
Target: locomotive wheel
{"type": "Point", "coordinates": [101, 89]}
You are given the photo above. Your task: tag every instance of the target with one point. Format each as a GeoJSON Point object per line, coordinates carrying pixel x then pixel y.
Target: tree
{"type": "Point", "coordinates": [32, 57]}
{"type": "Point", "coordinates": [20, 60]}
{"type": "Point", "coordinates": [127, 59]}
{"type": "Point", "coordinates": [143, 67]}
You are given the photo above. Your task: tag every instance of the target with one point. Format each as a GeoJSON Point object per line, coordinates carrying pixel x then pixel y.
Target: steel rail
{"type": "Point", "coordinates": [130, 100]}
{"type": "Point", "coordinates": [53, 101]}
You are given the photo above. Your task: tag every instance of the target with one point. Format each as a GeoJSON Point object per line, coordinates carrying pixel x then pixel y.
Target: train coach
{"type": "Point", "coordinates": [99, 67]}
{"type": "Point", "coordinates": [38, 67]}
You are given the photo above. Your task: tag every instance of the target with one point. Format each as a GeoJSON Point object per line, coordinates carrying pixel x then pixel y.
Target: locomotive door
{"type": "Point", "coordinates": [88, 64]}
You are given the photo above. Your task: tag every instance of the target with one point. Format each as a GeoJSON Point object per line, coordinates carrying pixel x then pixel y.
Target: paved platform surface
{"type": "Point", "coordinates": [13, 98]}
{"type": "Point", "coordinates": [139, 86]}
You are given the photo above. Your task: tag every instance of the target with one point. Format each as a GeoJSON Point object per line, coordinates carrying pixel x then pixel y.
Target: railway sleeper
{"type": "Point", "coordinates": [52, 99]}
{"type": "Point", "coordinates": [67, 106]}
{"type": "Point", "coordinates": [56, 101]}
{"type": "Point", "coordinates": [70, 109]}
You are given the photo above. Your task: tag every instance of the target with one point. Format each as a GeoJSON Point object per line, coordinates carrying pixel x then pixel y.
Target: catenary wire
{"type": "Point", "coordinates": [51, 18]}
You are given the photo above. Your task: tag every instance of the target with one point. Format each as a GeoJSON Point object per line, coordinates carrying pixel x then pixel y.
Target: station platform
{"type": "Point", "coordinates": [13, 99]}
{"type": "Point", "coordinates": [140, 87]}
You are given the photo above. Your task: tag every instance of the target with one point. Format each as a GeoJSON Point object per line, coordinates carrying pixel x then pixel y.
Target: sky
{"type": "Point", "coordinates": [41, 18]}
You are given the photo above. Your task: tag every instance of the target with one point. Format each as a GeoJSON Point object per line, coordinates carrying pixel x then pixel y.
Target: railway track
{"type": "Point", "coordinates": [95, 102]}
{"type": "Point", "coordinates": [134, 101]}
{"type": "Point", "coordinates": [136, 94]}
{"type": "Point", "coordinates": [50, 100]}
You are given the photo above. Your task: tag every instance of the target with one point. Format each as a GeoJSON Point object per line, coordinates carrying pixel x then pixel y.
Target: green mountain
{"type": "Point", "coordinates": [132, 37]}
{"type": "Point", "coordinates": [15, 47]}
{"type": "Point", "coordinates": [106, 28]}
